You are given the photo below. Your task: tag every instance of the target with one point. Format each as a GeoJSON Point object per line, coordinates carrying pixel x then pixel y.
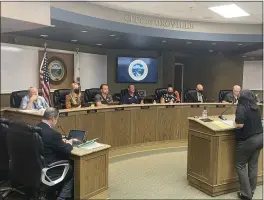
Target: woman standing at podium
{"type": "Point", "coordinates": [249, 142]}
{"type": "Point", "coordinates": [73, 100]}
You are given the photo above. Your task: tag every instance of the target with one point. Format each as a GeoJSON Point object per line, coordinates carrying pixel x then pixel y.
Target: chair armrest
{"type": "Point", "coordinates": [57, 163]}
{"type": "Point", "coordinates": [45, 179]}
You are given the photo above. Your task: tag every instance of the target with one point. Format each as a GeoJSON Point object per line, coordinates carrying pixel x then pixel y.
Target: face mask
{"type": "Point", "coordinates": [76, 91]}
{"type": "Point", "coordinates": [170, 93]}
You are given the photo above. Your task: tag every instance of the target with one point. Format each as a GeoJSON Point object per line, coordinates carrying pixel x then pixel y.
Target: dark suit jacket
{"type": "Point", "coordinates": [191, 96]}
{"type": "Point", "coordinates": [54, 148]}
{"type": "Point", "coordinates": [230, 98]}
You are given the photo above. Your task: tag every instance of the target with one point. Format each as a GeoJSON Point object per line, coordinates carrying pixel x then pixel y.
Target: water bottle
{"type": "Point", "coordinates": [204, 113]}
{"type": "Point", "coordinates": [154, 102]}
{"type": "Point", "coordinates": [171, 102]}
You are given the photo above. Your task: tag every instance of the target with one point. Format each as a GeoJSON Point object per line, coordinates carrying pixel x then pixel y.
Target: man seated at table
{"type": "Point", "coordinates": [73, 100]}
{"type": "Point", "coordinates": [169, 97]}
{"type": "Point", "coordinates": [198, 96]}
{"type": "Point", "coordinates": [104, 98]}
{"type": "Point", "coordinates": [232, 97]}
{"type": "Point", "coordinates": [56, 149]}
{"type": "Point", "coordinates": [33, 101]}
{"type": "Point", "coordinates": [131, 96]}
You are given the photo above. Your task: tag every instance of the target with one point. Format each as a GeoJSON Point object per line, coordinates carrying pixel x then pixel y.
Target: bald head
{"type": "Point", "coordinates": [33, 91]}
{"type": "Point", "coordinates": [199, 87]}
{"type": "Point", "coordinates": [236, 90]}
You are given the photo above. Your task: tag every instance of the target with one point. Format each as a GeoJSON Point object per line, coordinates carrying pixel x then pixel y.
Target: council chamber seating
{"type": "Point", "coordinates": [222, 94]}
{"type": "Point", "coordinates": [89, 94]}
{"type": "Point", "coordinates": [27, 166]}
{"type": "Point", "coordinates": [159, 92]}
{"type": "Point", "coordinates": [59, 98]}
{"type": "Point", "coordinates": [16, 97]}
{"type": "Point", "coordinates": [116, 96]}
{"type": "Point", "coordinates": [187, 94]}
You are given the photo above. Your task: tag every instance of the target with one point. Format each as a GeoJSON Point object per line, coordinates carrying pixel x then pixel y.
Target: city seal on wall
{"type": "Point", "coordinates": [57, 70]}
{"type": "Point", "coordinates": [138, 70]}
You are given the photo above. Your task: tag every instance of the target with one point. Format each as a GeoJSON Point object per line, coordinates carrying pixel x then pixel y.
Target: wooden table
{"type": "Point", "coordinates": [90, 171]}
{"type": "Point", "coordinates": [128, 125]}
{"type": "Point", "coordinates": [211, 156]}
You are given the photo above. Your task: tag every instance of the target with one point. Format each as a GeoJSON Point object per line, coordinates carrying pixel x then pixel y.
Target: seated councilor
{"type": "Point", "coordinates": [131, 97]}
{"type": "Point", "coordinates": [73, 100]}
{"type": "Point", "coordinates": [104, 98]}
{"type": "Point", "coordinates": [56, 149]}
{"type": "Point", "coordinates": [33, 101]}
{"type": "Point", "coordinates": [232, 97]}
{"type": "Point", "coordinates": [170, 96]}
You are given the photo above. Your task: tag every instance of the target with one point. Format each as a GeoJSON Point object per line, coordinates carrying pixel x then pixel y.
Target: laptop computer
{"type": "Point", "coordinates": [77, 136]}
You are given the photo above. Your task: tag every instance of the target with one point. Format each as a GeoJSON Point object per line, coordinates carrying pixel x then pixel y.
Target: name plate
{"type": "Point", "coordinates": [63, 114]}
{"type": "Point", "coordinates": [170, 106]}
{"type": "Point", "coordinates": [145, 107]}
{"type": "Point", "coordinates": [220, 106]}
{"type": "Point", "coordinates": [91, 111]}
{"type": "Point", "coordinates": [195, 106]}
{"type": "Point", "coordinates": [119, 109]}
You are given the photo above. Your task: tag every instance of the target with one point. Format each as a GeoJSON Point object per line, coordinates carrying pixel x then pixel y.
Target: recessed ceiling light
{"type": "Point", "coordinates": [211, 50]}
{"type": "Point", "coordinates": [240, 44]}
{"type": "Point", "coordinates": [52, 25]}
{"type": "Point", "coordinates": [84, 31]}
{"type": "Point", "coordinates": [213, 43]}
{"type": "Point", "coordinates": [243, 56]}
{"type": "Point", "coordinates": [112, 35]}
{"type": "Point", "coordinates": [99, 44]}
{"type": "Point", "coordinates": [229, 11]}
{"type": "Point", "coordinates": [44, 35]}
{"type": "Point", "coordinates": [74, 40]}
{"type": "Point", "coordinates": [163, 41]}
{"type": "Point", "coordinates": [189, 42]}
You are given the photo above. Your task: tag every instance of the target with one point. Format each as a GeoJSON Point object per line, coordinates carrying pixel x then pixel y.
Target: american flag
{"type": "Point", "coordinates": [45, 79]}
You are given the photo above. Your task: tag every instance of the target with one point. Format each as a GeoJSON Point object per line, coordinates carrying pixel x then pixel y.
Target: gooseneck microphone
{"type": "Point", "coordinates": [221, 116]}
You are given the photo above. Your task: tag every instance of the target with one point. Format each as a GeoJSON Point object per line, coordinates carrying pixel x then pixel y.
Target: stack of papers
{"type": "Point", "coordinates": [91, 146]}
{"type": "Point", "coordinates": [229, 122]}
{"type": "Point", "coordinates": [221, 124]}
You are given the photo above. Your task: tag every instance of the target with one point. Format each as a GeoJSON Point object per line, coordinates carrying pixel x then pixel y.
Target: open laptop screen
{"type": "Point", "coordinates": [78, 134]}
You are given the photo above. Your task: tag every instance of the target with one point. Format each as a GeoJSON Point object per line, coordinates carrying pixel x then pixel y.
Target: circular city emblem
{"type": "Point", "coordinates": [138, 70]}
{"type": "Point", "coordinates": [56, 70]}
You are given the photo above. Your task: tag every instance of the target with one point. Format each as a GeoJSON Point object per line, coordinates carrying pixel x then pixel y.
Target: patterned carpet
{"type": "Point", "coordinates": [157, 176]}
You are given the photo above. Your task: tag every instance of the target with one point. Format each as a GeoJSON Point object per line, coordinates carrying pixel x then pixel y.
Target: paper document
{"type": "Point", "coordinates": [90, 146]}
{"type": "Point", "coordinates": [221, 124]}
{"type": "Point", "coordinates": [229, 122]}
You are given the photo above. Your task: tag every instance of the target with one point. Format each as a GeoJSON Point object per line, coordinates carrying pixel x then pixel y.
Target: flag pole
{"type": "Point", "coordinates": [45, 52]}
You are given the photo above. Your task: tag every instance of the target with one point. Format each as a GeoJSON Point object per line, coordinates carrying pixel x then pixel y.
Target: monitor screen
{"type": "Point", "coordinates": [137, 70]}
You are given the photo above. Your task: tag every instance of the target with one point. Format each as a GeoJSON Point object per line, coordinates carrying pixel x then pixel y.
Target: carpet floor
{"type": "Point", "coordinates": [157, 176]}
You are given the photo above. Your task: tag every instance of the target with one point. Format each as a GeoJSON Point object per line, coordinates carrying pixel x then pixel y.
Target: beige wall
{"type": "Point", "coordinates": [215, 73]}
{"type": "Point", "coordinates": [97, 11]}
{"type": "Point", "coordinates": [34, 12]}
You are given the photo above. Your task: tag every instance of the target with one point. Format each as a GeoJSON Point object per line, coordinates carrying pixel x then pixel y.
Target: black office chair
{"type": "Point", "coordinates": [89, 94]}
{"type": "Point", "coordinates": [188, 93]}
{"type": "Point", "coordinates": [5, 188]}
{"type": "Point", "coordinates": [27, 166]}
{"type": "Point", "coordinates": [223, 93]}
{"type": "Point", "coordinates": [159, 92]}
{"type": "Point", "coordinates": [16, 97]}
{"type": "Point", "coordinates": [116, 96]}
{"type": "Point", "coordinates": [59, 98]}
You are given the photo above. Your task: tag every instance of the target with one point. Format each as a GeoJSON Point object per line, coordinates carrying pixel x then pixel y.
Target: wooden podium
{"type": "Point", "coordinates": [211, 156]}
